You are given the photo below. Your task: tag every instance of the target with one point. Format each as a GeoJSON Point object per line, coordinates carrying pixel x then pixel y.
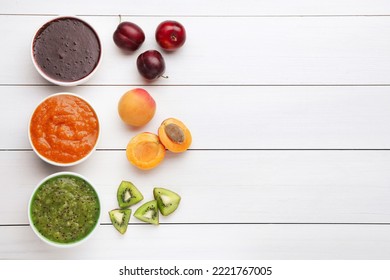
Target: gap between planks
{"type": "Point", "coordinates": [225, 149]}
{"type": "Point", "coordinates": [202, 16]}
{"type": "Point", "coordinates": [260, 223]}
{"type": "Point", "coordinates": [203, 85]}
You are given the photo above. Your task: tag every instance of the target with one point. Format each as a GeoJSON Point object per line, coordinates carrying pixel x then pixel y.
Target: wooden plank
{"type": "Point", "coordinates": [228, 117]}
{"type": "Point", "coordinates": [210, 242]}
{"type": "Point", "coordinates": [201, 7]}
{"type": "Point", "coordinates": [229, 51]}
{"type": "Point", "coordinates": [320, 204]}
{"type": "Point", "coordinates": [227, 186]}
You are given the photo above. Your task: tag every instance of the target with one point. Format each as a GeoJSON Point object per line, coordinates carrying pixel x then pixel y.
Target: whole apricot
{"type": "Point", "coordinates": [136, 107]}
{"type": "Point", "coordinates": [145, 151]}
{"type": "Point", "coordinates": [174, 135]}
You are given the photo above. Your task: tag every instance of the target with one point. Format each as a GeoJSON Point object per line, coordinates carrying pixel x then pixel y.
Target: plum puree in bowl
{"type": "Point", "coordinates": [66, 51]}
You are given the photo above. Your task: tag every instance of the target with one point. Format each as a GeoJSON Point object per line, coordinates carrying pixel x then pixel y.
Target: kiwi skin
{"type": "Point", "coordinates": [120, 226]}
{"type": "Point", "coordinates": [144, 211]}
{"type": "Point", "coordinates": [135, 195]}
{"type": "Point", "coordinates": [172, 200]}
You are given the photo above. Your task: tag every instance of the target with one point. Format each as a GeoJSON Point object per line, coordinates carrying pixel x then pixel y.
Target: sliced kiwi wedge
{"type": "Point", "coordinates": [120, 219]}
{"type": "Point", "coordinates": [167, 201]}
{"type": "Point", "coordinates": [128, 194]}
{"type": "Point", "coordinates": [148, 212]}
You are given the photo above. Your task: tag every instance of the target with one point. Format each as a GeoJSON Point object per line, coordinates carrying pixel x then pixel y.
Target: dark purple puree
{"type": "Point", "coordinates": [66, 49]}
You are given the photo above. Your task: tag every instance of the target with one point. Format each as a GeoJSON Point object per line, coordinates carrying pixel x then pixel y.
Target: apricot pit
{"type": "Point", "coordinates": [174, 135]}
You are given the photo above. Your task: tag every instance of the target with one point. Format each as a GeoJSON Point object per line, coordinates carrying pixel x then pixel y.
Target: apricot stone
{"type": "Point", "coordinates": [174, 135]}
{"type": "Point", "coordinates": [145, 151]}
{"type": "Point", "coordinates": [136, 107]}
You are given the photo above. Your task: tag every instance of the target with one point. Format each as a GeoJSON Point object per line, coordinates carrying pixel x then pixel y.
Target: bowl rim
{"type": "Point", "coordinates": [59, 163]}
{"type": "Point", "coordinates": [62, 83]}
{"type": "Point", "coordinates": [45, 239]}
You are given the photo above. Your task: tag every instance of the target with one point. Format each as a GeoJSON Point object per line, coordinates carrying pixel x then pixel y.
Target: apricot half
{"type": "Point", "coordinates": [145, 151]}
{"type": "Point", "coordinates": [136, 107]}
{"type": "Point", "coordinates": [174, 135]}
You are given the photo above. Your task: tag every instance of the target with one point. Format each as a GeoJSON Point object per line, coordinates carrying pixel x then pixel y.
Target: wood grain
{"type": "Point", "coordinates": [228, 117]}
{"type": "Point", "coordinates": [210, 242]}
{"type": "Point", "coordinates": [227, 186]}
{"type": "Point", "coordinates": [288, 105]}
{"type": "Point", "coordinates": [200, 7]}
{"type": "Point", "coordinates": [229, 51]}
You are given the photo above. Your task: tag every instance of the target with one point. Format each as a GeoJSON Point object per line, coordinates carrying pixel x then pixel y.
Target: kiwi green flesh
{"type": "Point", "coordinates": [167, 200]}
{"type": "Point", "coordinates": [128, 194]}
{"type": "Point", "coordinates": [148, 213]}
{"type": "Point", "coordinates": [120, 219]}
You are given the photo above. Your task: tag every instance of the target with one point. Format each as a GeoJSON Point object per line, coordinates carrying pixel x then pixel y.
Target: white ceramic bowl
{"type": "Point", "coordinates": [58, 82]}
{"type": "Point", "coordinates": [59, 163]}
{"type": "Point", "coordinates": [45, 239]}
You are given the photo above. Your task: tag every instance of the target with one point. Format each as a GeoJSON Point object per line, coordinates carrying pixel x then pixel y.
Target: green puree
{"type": "Point", "coordinates": [65, 209]}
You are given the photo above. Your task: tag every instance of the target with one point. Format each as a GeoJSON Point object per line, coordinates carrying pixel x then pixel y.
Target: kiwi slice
{"type": "Point", "coordinates": [128, 194]}
{"type": "Point", "coordinates": [120, 219]}
{"type": "Point", "coordinates": [167, 201]}
{"type": "Point", "coordinates": [148, 212]}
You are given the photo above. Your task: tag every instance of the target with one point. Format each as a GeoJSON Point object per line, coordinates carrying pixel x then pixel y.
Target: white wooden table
{"type": "Point", "coordinates": [289, 106]}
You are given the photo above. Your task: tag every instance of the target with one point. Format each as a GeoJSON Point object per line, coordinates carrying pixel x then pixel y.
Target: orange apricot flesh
{"type": "Point", "coordinates": [174, 135]}
{"type": "Point", "coordinates": [145, 151]}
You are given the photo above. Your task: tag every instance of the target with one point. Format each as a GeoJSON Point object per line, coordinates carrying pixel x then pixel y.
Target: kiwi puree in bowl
{"type": "Point", "coordinates": [64, 209]}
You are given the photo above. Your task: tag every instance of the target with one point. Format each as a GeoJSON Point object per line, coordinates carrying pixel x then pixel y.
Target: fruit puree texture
{"type": "Point", "coordinates": [65, 209]}
{"type": "Point", "coordinates": [66, 49]}
{"type": "Point", "coordinates": [64, 128]}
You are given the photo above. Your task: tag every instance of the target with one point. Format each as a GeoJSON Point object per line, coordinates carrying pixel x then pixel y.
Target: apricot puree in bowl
{"type": "Point", "coordinates": [64, 129]}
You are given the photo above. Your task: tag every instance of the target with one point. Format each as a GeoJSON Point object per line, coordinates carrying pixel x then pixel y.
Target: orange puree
{"type": "Point", "coordinates": [64, 128]}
